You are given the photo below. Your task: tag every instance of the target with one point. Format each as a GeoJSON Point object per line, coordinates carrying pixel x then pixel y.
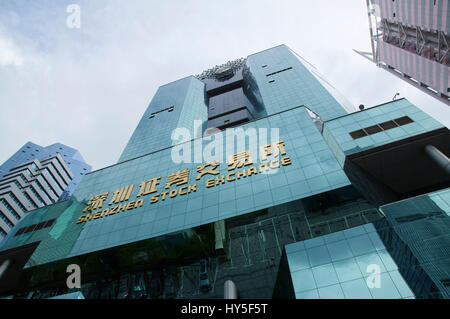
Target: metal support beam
{"type": "Point", "coordinates": [438, 157]}
{"type": "Point", "coordinates": [230, 290]}
{"type": "Point", "coordinates": [4, 267]}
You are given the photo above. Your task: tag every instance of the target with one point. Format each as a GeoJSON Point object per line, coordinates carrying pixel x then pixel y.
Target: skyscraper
{"type": "Point", "coordinates": [410, 39]}
{"type": "Point", "coordinates": [253, 171]}
{"type": "Point", "coordinates": [37, 176]}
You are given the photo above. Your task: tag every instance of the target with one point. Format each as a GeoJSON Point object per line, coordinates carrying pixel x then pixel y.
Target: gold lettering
{"type": "Point", "coordinates": [263, 165]}
{"type": "Point", "coordinates": [81, 219]}
{"type": "Point", "coordinates": [122, 208]}
{"type": "Point", "coordinates": [130, 205]}
{"type": "Point", "coordinates": [202, 169]}
{"type": "Point", "coordinates": [274, 164]}
{"type": "Point", "coordinates": [210, 183]}
{"type": "Point", "coordinates": [113, 210]}
{"type": "Point", "coordinates": [173, 193]}
{"type": "Point", "coordinates": [96, 202]}
{"type": "Point", "coordinates": [239, 174]}
{"type": "Point", "coordinates": [149, 186]}
{"type": "Point", "coordinates": [229, 177]}
{"type": "Point", "coordinates": [121, 194]}
{"type": "Point", "coordinates": [97, 214]}
{"type": "Point", "coordinates": [220, 179]}
{"type": "Point", "coordinates": [163, 195]}
{"type": "Point", "coordinates": [155, 199]}
{"type": "Point", "coordinates": [192, 188]}
{"type": "Point", "coordinates": [239, 159]}
{"type": "Point", "coordinates": [105, 212]}
{"type": "Point", "coordinates": [139, 203]}
{"type": "Point", "coordinates": [285, 161]}
{"type": "Point", "coordinates": [274, 149]}
{"type": "Point", "coordinates": [181, 190]}
{"type": "Point", "coordinates": [252, 170]}
{"type": "Point", "coordinates": [179, 178]}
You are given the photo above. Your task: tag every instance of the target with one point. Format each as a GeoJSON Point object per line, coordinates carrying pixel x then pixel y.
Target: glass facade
{"type": "Point", "coordinates": [338, 266]}
{"type": "Point", "coordinates": [154, 131]}
{"type": "Point", "coordinates": [313, 170]}
{"type": "Point", "coordinates": [276, 212]}
{"type": "Point", "coordinates": [407, 250]}
{"type": "Point", "coordinates": [337, 131]}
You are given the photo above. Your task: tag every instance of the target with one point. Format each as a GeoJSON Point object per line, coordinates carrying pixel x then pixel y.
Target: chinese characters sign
{"type": "Point", "coordinates": [240, 165]}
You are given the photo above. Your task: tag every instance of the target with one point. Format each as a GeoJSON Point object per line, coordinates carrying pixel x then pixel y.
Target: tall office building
{"type": "Point", "coordinates": [37, 176]}
{"type": "Point", "coordinates": [410, 39]}
{"type": "Point", "coordinates": [252, 171]}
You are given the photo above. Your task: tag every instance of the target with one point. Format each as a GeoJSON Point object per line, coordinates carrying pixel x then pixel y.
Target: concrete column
{"type": "Point", "coordinates": [219, 234]}
{"type": "Point", "coordinates": [230, 290]}
{"type": "Point", "coordinates": [4, 267]}
{"type": "Point", "coordinates": [438, 157]}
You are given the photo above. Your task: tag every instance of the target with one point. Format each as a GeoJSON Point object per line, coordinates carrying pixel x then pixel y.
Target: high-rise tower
{"type": "Point", "coordinates": [37, 176]}
{"type": "Point", "coordinates": [410, 39]}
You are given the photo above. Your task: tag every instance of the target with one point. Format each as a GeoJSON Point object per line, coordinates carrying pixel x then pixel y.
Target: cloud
{"type": "Point", "coordinates": [9, 54]}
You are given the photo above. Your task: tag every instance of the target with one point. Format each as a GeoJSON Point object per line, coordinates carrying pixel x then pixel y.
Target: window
{"type": "Point", "coordinates": [403, 120]}
{"type": "Point", "coordinates": [23, 178]}
{"type": "Point", "coordinates": [6, 220]}
{"type": "Point", "coordinates": [48, 186]}
{"type": "Point", "coordinates": [168, 109]}
{"type": "Point", "coordinates": [388, 125]}
{"type": "Point", "coordinates": [358, 134]}
{"type": "Point", "coordinates": [37, 195]}
{"type": "Point", "coordinates": [18, 203]}
{"type": "Point", "coordinates": [35, 227]}
{"type": "Point", "coordinates": [33, 205]}
{"type": "Point", "coordinates": [271, 81]}
{"type": "Point", "coordinates": [289, 68]}
{"type": "Point", "coordinates": [380, 127]}
{"type": "Point", "coordinates": [9, 208]}
{"type": "Point", "coordinates": [373, 129]}
{"type": "Point", "coordinates": [43, 191]}
{"type": "Point", "coordinates": [52, 179]}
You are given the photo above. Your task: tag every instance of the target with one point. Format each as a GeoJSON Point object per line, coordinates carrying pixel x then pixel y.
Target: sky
{"type": "Point", "coordinates": [88, 87]}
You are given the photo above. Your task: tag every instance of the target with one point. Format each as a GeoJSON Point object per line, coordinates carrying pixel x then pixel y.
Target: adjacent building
{"type": "Point", "coordinates": [410, 39]}
{"type": "Point", "coordinates": [253, 171]}
{"type": "Point", "coordinates": [35, 177]}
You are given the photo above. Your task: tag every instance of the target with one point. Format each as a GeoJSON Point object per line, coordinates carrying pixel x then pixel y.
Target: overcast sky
{"type": "Point", "coordinates": [88, 87]}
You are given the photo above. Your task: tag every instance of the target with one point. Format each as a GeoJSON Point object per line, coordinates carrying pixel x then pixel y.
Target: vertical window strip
{"type": "Point", "coordinates": [9, 208]}
{"type": "Point", "coordinates": [43, 190]}
{"type": "Point", "coordinates": [16, 200]}
{"type": "Point", "coordinates": [6, 220]}
{"type": "Point", "coordinates": [37, 196]}
{"type": "Point", "coordinates": [29, 199]}
{"type": "Point", "coordinates": [48, 186]}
